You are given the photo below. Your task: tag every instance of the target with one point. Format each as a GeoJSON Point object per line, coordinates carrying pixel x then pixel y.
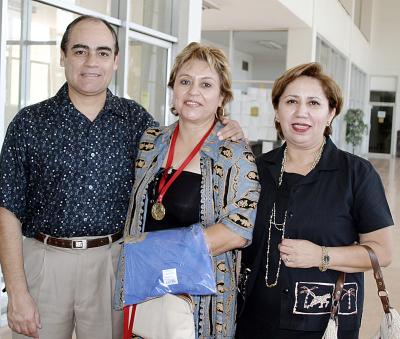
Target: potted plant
{"type": "Point", "coordinates": [355, 126]}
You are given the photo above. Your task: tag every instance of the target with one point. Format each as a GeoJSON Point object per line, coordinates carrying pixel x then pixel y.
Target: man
{"type": "Point", "coordinates": [66, 174]}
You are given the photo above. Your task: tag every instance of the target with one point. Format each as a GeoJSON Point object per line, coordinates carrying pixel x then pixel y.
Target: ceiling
{"type": "Point", "coordinates": [249, 15]}
{"type": "Point", "coordinates": [252, 21]}
{"type": "Point", "coordinates": [249, 42]}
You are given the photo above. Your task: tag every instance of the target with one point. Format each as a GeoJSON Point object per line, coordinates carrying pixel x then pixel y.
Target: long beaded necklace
{"type": "Point", "coordinates": [282, 226]}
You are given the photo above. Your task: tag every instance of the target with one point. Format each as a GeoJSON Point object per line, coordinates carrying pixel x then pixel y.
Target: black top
{"type": "Point", "coordinates": [264, 302]}
{"type": "Point", "coordinates": [181, 202]}
{"type": "Point", "coordinates": [66, 176]}
{"type": "Point", "coordinates": [341, 198]}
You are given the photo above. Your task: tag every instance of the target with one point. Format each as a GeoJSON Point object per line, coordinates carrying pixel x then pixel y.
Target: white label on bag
{"type": "Point", "coordinates": [170, 277]}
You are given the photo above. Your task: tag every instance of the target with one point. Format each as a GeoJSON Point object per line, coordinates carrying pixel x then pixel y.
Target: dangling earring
{"type": "Point", "coordinates": [173, 110]}
{"type": "Point", "coordinates": [220, 113]}
{"type": "Point", "coordinates": [328, 124]}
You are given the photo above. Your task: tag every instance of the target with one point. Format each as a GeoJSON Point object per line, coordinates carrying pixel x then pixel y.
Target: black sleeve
{"type": "Point", "coordinates": [14, 170]}
{"type": "Point", "coordinates": [371, 210]}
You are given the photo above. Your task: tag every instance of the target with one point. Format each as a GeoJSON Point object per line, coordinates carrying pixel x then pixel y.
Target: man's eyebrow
{"type": "Point", "coordinates": [86, 47]}
{"type": "Point", "coordinates": [102, 48]}
{"type": "Point", "coordinates": [76, 46]}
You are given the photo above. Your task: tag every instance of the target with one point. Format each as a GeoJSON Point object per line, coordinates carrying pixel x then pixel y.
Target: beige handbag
{"type": "Point", "coordinates": [390, 325]}
{"type": "Point", "coordinates": [166, 317]}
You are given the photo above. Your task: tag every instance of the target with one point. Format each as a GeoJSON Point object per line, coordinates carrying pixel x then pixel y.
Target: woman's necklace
{"type": "Point", "coordinates": [282, 226]}
{"type": "Point", "coordinates": [158, 208]}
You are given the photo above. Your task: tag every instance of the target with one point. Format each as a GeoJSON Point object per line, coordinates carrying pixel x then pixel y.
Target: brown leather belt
{"type": "Point", "coordinates": [79, 244]}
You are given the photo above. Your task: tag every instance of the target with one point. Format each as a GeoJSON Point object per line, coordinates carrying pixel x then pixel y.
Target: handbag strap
{"type": "Point", "coordinates": [336, 294]}
{"type": "Point", "coordinates": [380, 283]}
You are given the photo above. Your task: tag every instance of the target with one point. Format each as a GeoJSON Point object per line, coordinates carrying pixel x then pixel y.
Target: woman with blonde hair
{"type": "Point", "coordinates": [186, 176]}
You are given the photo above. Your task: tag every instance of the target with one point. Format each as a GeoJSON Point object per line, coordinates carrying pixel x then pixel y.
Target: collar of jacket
{"type": "Point", "coordinates": [210, 147]}
{"type": "Point", "coordinates": [328, 161]}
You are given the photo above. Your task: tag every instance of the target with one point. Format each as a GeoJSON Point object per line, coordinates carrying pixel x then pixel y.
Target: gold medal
{"type": "Point", "coordinates": [158, 211]}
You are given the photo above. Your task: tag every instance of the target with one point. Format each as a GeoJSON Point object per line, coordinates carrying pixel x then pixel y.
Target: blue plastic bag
{"type": "Point", "coordinates": [175, 261]}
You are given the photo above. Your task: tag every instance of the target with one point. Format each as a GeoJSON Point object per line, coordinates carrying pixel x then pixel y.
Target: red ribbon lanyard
{"type": "Point", "coordinates": [164, 184]}
{"type": "Point", "coordinates": [128, 321]}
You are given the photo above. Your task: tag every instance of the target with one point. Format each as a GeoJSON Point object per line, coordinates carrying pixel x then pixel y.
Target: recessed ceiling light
{"type": "Point", "coordinates": [208, 4]}
{"type": "Point", "coordinates": [270, 44]}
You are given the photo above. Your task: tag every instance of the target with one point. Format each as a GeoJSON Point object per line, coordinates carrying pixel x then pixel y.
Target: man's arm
{"type": "Point", "coordinates": [23, 315]}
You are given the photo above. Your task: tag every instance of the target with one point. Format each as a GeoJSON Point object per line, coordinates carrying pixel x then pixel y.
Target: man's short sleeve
{"type": "Point", "coordinates": [13, 170]}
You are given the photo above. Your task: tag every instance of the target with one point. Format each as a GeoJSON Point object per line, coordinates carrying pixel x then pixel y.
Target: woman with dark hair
{"type": "Point", "coordinates": [317, 204]}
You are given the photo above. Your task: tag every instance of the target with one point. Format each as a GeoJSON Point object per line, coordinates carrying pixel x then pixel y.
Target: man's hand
{"type": "Point", "coordinates": [232, 130]}
{"type": "Point", "coordinates": [23, 315]}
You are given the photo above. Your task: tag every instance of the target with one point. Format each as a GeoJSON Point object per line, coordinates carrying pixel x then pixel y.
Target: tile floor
{"type": "Point", "coordinates": [389, 169]}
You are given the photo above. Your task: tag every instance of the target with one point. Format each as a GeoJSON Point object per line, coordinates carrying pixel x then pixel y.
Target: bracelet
{"type": "Point", "coordinates": [325, 259]}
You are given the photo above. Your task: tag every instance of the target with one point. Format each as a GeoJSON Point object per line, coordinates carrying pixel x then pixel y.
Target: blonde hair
{"type": "Point", "coordinates": [215, 58]}
{"type": "Point", "coordinates": [313, 70]}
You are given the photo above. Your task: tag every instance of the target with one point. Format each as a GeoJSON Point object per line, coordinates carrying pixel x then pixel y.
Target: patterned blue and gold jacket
{"type": "Point", "coordinates": [229, 195]}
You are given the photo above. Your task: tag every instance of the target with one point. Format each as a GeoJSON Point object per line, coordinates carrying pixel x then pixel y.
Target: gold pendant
{"type": "Point", "coordinates": [158, 211]}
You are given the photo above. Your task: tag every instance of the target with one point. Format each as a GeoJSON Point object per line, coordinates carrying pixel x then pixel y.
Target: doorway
{"type": "Point", "coordinates": [380, 135]}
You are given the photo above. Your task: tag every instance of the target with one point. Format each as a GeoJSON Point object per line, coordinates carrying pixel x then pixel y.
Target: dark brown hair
{"type": "Point", "coordinates": [313, 70]}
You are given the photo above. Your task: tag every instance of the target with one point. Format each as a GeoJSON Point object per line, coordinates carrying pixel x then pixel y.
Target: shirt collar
{"type": "Point", "coordinates": [328, 161]}
{"type": "Point", "coordinates": [210, 147]}
{"type": "Point", "coordinates": [112, 104]}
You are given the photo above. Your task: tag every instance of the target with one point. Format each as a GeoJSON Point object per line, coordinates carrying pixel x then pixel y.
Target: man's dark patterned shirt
{"type": "Point", "coordinates": [66, 176]}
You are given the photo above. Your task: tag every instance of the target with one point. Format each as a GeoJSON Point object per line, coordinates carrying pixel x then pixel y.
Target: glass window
{"type": "Point", "coordinates": [101, 6]}
{"type": "Point", "coordinates": [155, 14]}
{"type": "Point", "coordinates": [363, 16]}
{"type": "Point", "coordinates": [332, 62]}
{"type": "Point", "coordinates": [147, 80]}
{"type": "Point", "coordinates": [13, 52]}
{"type": "Point", "coordinates": [48, 26]}
{"type": "Point", "coordinates": [382, 96]}
{"type": "Point", "coordinates": [358, 83]}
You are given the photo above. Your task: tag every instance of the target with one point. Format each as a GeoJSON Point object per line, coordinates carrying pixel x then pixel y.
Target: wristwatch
{"type": "Point", "coordinates": [325, 259]}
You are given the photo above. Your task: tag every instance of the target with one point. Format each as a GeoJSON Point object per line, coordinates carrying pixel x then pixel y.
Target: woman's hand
{"type": "Point", "coordinates": [232, 130]}
{"type": "Point", "coordinates": [300, 253]}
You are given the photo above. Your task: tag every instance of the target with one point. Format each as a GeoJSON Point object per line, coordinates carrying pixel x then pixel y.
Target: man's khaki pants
{"type": "Point", "coordinates": [73, 289]}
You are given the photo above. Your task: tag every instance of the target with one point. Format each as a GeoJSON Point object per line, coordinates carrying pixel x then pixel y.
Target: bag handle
{"type": "Point", "coordinates": [380, 283]}
{"type": "Point", "coordinates": [336, 294]}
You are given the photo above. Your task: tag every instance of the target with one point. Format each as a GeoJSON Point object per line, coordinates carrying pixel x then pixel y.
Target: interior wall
{"type": "Point", "coordinates": [268, 69]}
{"type": "Point", "coordinates": [385, 50]}
{"type": "Point", "coordinates": [303, 9]}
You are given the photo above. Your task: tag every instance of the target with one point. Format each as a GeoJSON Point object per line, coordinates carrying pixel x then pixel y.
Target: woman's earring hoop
{"type": "Point", "coordinates": [220, 113]}
{"type": "Point", "coordinates": [173, 110]}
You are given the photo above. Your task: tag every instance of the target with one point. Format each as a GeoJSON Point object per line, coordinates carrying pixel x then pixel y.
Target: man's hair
{"type": "Point", "coordinates": [67, 33]}
{"type": "Point", "coordinates": [214, 57]}
{"type": "Point", "coordinates": [312, 70]}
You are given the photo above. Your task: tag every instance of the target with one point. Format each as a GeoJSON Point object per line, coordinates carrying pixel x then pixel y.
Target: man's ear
{"type": "Point", "coordinates": [62, 58]}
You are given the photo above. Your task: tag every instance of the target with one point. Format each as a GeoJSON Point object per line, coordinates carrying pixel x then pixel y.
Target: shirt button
{"type": "Point", "coordinates": [92, 155]}
{"type": "Point", "coordinates": [90, 187]}
{"type": "Point", "coordinates": [84, 219]}
{"type": "Point", "coordinates": [290, 213]}
{"type": "Point", "coordinates": [286, 291]}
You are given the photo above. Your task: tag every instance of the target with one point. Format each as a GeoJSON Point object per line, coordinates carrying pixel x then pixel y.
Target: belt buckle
{"type": "Point", "coordinates": [79, 244]}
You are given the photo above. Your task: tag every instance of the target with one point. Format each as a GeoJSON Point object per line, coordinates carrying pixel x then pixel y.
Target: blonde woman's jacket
{"type": "Point", "coordinates": [229, 195]}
